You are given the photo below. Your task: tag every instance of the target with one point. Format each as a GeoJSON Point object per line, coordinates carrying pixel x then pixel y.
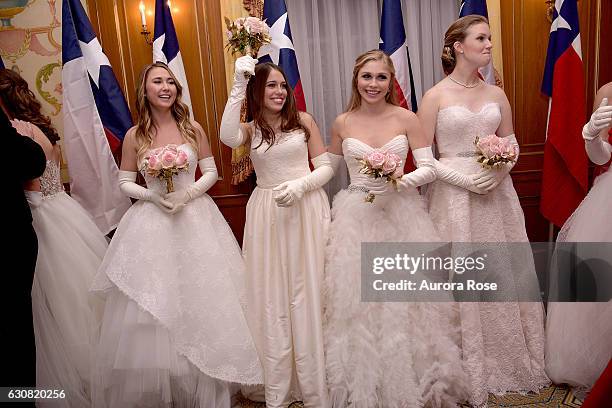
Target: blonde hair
{"type": "Point", "coordinates": [457, 32]}
{"type": "Point", "coordinates": [372, 55]}
{"type": "Point", "coordinates": [145, 126]}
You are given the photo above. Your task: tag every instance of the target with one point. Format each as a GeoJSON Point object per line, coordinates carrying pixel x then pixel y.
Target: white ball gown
{"type": "Point", "coordinates": [384, 354]}
{"type": "Point", "coordinates": [65, 315]}
{"type": "Point", "coordinates": [173, 331]}
{"type": "Point", "coordinates": [578, 345]}
{"type": "Point", "coordinates": [502, 343]}
{"type": "Point", "coordinates": [284, 251]}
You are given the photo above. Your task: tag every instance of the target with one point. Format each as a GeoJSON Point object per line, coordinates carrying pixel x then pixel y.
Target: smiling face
{"type": "Point", "coordinates": [160, 88]}
{"type": "Point", "coordinates": [275, 92]}
{"type": "Point", "coordinates": [374, 81]}
{"type": "Point", "coordinates": [476, 47]}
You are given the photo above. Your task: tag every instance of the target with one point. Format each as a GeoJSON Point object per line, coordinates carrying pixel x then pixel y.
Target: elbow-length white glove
{"type": "Point", "coordinates": [488, 179]}
{"type": "Point", "coordinates": [208, 179]}
{"type": "Point", "coordinates": [127, 184]}
{"type": "Point", "coordinates": [289, 192]}
{"type": "Point", "coordinates": [597, 148]}
{"type": "Point", "coordinates": [230, 133]}
{"type": "Point", "coordinates": [456, 178]}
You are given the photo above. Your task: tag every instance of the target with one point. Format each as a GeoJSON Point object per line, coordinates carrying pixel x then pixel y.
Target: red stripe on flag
{"type": "Point", "coordinates": [298, 92]}
{"type": "Point", "coordinates": [565, 172]}
{"type": "Point", "coordinates": [115, 145]}
{"type": "Point", "coordinates": [409, 165]}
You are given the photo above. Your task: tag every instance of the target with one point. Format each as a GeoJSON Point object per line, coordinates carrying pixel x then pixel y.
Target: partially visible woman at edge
{"type": "Point", "coordinates": [285, 234]}
{"type": "Point", "coordinates": [502, 343]}
{"type": "Point", "coordinates": [70, 250]}
{"type": "Point", "coordinates": [173, 331]}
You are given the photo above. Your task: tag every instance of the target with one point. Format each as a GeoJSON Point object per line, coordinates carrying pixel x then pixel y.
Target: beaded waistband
{"type": "Point", "coordinates": [460, 154]}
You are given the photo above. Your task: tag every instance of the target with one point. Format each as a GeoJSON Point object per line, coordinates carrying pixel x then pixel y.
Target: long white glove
{"type": "Point", "coordinates": [34, 198]}
{"type": "Point", "coordinates": [424, 173]}
{"type": "Point", "coordinates": [336, 161]}
{"type": "Point", "coordinates": [230, 132]}
{"type": "Point", "coordinates": [488, 179]}
{"type": "Point", "coordinates": [600, 119]}
{"type": "Point", "coordinates": [289, 192]}
{"type": "Point", "coordinates": [209, 177]}
{"type": "Point", "coordinates": [127, 184]}
{"type": "Point", "coordinates": [456, 178]}
{"type": "Point", "coordinates": [599, 151]}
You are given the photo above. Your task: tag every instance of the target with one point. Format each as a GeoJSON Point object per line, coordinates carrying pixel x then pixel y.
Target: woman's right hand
{"type": "Point", "coordinates": [243, 66]}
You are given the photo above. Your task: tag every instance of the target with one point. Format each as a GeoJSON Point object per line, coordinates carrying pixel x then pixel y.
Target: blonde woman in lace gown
{"type": "Point", "coordinates": [70, 250]}
{"type": "Point", "coordinates": [502, 343]}
{"type": "Point", "coordinates": [383, 354]}
{"type": "Point", "coordinates": [287, 219]}
{"type": "Point", "coordinates": [173, 332]}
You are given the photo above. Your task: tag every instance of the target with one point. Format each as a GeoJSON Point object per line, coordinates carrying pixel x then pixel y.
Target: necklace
{"type": "Point", "coordinates": [462, 84]}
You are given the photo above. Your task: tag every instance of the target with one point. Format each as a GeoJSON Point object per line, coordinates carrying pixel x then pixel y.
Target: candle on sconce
{"type": "Point", "coordinates": [143, 17]}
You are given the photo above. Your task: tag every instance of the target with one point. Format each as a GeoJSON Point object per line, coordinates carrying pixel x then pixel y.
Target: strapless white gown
{"type": "Point", "coordinates": [384, 354]}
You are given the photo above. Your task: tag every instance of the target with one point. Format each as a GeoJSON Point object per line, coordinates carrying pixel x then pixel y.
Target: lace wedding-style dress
{"type": "Point", "coordinates": [65, 316]}
{"type": "Point", "coordinates": [502, 343]}
{"type": "Point", "coordinates": [284, 250]}
{"type": "Point", "coordinates": [174, 331]}
{"type": "Point", "coordinates": [384, 354]}
{"type": "Point", "coordinates": [578, 345]}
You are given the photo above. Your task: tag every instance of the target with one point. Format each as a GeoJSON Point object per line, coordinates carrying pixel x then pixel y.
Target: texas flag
{"type": "Point", "coordinates": [96, 118]}
{"type": "Point", "coordinates": [565, 173]}
{"type": "Point", "coordinates": [280, 51]}
{"type": "Point", "coordinates": [393, 43]}
{"type": "Point", "coordinates": [166, 47]}
{"type": "Point", "coordinates": [479, 7]}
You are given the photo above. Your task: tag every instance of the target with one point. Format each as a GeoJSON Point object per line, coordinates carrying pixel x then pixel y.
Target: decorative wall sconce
{"type": "Point", "coordinates": [143, 20]}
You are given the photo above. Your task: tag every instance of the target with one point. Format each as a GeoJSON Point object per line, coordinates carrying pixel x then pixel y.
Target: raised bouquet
{"type": "Point", "coordinates": [494, 151]}
{"type": "Point", "coordinates": [246, 35]}
{"type": "Point", "coordinates": [166, 162]}
{"type": "Point", "coordinates": [377, 164]}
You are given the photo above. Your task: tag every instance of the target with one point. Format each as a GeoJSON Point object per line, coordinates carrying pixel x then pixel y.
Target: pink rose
{"type": "Point", "coordinates": [376, 159]}
{"type": "Point", "coordinates": [398, 173]}
{"type": "Point", "coordinates": [487, 145]}
{"type": "Point", "coordinates": [167, 158]}
{"type": "Point", "coordinates": [154, 162]}
{"type": "Point", "coordinates": [389, 166]}
{"type": "Point", "coordinates": [254, 25]}
{"type": "Point", "coordinates": [181, 159]}
{"type": "Point", "coordinates": [229, 34]}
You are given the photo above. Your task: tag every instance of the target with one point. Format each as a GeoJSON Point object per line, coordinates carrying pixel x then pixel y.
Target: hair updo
{"type": "Point", "coordinates": [457, 32]}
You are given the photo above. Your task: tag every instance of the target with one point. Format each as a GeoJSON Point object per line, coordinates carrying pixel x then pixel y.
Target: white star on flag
{"type": "Point", "coordinates": [94, 58]}
{"type": "Point", "coordinates": [559, 22]}
{"type": "Point", "coordinates": [279, 40]}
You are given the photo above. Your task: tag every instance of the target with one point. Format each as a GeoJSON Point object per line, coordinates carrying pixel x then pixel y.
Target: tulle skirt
{"type": "Point", "coordinates": [66, 316]}
{"type": "Point", "coordinates": [383, 354]}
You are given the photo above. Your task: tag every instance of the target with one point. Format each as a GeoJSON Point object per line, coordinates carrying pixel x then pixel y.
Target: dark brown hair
{"type": "Point", "coordinates": [290, 116]}
{"type": "Point", "coordinates": [372, 55]}
{"type": "Point", "coordinates": [21, 102]}
{"type": "Point", "coordinates": [457, 32]}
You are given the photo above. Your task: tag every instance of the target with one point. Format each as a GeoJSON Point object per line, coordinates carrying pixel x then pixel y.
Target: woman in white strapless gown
{"type": "Point", "coordinates": [502, 343]}
{"type": "Point", "coordinates": [578, 345]}
{"type": "Point", "coordinates": [287, 219]}
{"type": "Point", "coordinates": [383, 354]}
{"type": "Point", "coordinates": [70, 249]}
{"type": "Point", "coordinates": [174, 331]}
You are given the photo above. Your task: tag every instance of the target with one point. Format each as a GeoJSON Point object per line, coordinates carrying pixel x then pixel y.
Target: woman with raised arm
{"type": "Point", "coordinates": [383, 354]}
{"type": "Point", "coordinates": [578, 345]}
{"type": "Point", "coordinates": [174, 332]}
{"type": "Point", "coordinates": [286, 229]}
{"type": "Point", "coordinates": [502, 343]}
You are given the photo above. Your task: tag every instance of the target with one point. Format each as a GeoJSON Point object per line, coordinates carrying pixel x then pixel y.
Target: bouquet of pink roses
{"type": "Point", "coordinates": [246, 35]}
{"type": "Point", "coordinates": [165, 162]}
{"type": "Point", "coordinates": [377, 164]}
{"type": "Point", "coordinates": [494, 151]}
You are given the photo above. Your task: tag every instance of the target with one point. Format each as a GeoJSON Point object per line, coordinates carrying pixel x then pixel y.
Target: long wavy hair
{"type": "Point", "coordinates": [22, 104]}
{"type": "Point", "coordinates": [290, 116]}
{"type": "Point", "coordinates": [372, 55]}
{"type": "Point", "coordinates": [145, 128]}
{"type": "Point", "coordinates": [457, 33]}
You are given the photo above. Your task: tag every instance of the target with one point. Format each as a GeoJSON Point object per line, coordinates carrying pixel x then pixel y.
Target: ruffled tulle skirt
{"type": "Point", "coordinates": [66, 316]}
{"type": "Point", "coordinates": [578, 345]}
{"type": "Point", "coordinates": [384, 354]}
{"type": "Point", "coordinates": [174, 331]}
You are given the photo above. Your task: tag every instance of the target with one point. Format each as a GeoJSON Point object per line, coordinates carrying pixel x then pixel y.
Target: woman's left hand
{"type": "Point", "coordinates": [178, 198]}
